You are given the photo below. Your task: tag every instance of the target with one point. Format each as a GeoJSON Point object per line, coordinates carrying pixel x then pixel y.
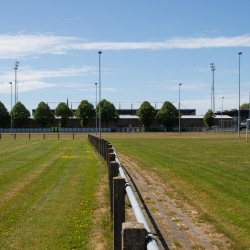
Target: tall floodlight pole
{"type": "Point", "coordinates": [213, 69]}
{"type": "Point", "coordinates": [16, 87]}
{"type": "Point", "coordinates": [211, 97]}
{"type": "Point", "coordinates": [96, 110]}
{"type": "Point", "coordinates": [11, 107]}
{"type": "Point", "coordinates": [239, 99]}
{"type": "Point", "coordinates": [180, 107]}
{"type": "Point", "coordinates": [100, 128]}
{"type": "Point", "coordinates": [249, 107]}
{"type": "Point", "coordinates": [221, 109]}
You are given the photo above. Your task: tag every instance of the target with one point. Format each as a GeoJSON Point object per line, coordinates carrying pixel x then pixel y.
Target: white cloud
{"type": "Point", "coordinates": [19, 45]}
{"type": "Point", "coordinates": [27, 74]}
{"type": "Point", "coordinates": [25, 86]}
{"type": "Point", "coordinates": [103, 89]}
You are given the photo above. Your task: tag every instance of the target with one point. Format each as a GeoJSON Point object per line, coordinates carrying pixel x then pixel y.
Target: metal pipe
{"type": "Point", "coordinates": [150, 240]}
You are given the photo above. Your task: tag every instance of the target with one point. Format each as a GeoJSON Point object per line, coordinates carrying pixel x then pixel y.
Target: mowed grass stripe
{"type": "Point", "coordinates": [54, 210]}
{"type": "Point", "coordinates": [26, 167]}
{"type": "Point", "coordinates": [213, 174]}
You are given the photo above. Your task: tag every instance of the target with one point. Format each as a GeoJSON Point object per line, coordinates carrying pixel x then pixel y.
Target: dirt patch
{"type": "Point", "coordinates": [175, 224]}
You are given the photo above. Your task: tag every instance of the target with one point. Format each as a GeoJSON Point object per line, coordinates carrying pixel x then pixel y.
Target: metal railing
{"type": "Point", "coordinates": [104, 148]}
{"type": "Point", "coordinates": [151, 242]}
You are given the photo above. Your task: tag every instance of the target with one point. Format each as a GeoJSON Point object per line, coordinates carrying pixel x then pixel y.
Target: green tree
{"type": "Point", "coordinates": [20, 115]}
{"type": "Point", "coordinates": [245, 106]}
{"type": "Point", "coordinates": [209, 119]}
{"type": "Point", "coordinates": [43, 115]}
{"type": "Point", "coordinates": [64, 112]}
{"type": "Point", "coordinates": [108, 112]}
{"type": "Point", "coordinates": [168, 115]}
{"type": "Point", "coordinates": [146, 114]}
{"type": "Point", "coordinates": [85, 112]}
{"type": "Point", "coordinates": [4, 116]}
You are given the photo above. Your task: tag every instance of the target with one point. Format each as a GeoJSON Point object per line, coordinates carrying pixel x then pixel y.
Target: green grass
{"type": "Point", "coordinates": [46, 194]}
{"type": "Point", "coordinates": [212, 174]}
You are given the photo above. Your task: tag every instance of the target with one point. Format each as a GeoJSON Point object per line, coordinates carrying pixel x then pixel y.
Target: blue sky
{"type": "Point", "coordinates": [149, 47]}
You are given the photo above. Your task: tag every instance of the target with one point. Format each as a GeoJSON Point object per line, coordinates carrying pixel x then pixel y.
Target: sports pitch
{"type": "Point", "coordinates": [48, 187]}
{"type": "Point", "coordinates": [210, 173]}
{"type": "Point", "coordinates": [48, 194]}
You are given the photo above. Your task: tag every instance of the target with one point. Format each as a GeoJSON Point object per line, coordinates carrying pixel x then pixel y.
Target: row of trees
{"type": "Point", "coordinates": [43, 115]}
{"type": "Point", "coordinates": [167, 115]}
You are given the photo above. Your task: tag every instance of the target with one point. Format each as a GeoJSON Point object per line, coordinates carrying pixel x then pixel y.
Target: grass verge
{"type": "Point", "coordinates": [47, 190]}
{"type": "Point", "coordinates": [211, 174]}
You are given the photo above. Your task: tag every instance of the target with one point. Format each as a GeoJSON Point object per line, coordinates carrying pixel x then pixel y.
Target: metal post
{"type": "Point", "coordinates": [100, 127]}
{"type": "Point", "coordinates": [16, 87]}
{"type": "Point", "coordinates": [179, 107]}
{"type": "Point", "coordinates": [247, 130]}
{"type": "Point", "coordinates": [211, 97]}
{"type": "Point", "coordinates": [96, 110]}
{"type": "Point", "coordinates": [239, 99]}
{"type": "Point", "coordinates": [249, 107]}
{"type": "Point", "coordinates": [11, 107]}
{"type": "Point", "coordinates": [221, 110]}
{"type": "Point", "coordinates": [213, 69]}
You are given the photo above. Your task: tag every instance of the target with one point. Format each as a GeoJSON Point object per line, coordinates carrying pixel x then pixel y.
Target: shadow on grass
{"type": "Point", "coordinates": [157, 230]}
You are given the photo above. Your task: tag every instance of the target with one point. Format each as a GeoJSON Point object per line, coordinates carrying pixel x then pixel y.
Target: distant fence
{"type": "Point", "coordinates": [117, 130]}
{"type": "Point", "coordinates": [48, 130]}
{"type": "Point", "coordinates": [43, 136]}
{"type": "Point", "coordinates": [127, 235]}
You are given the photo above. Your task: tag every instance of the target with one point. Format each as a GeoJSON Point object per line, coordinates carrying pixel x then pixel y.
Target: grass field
{"type": "Point", "coordinates": [210, 173]}
{"type": "Point", "coordinates": [48, 194]}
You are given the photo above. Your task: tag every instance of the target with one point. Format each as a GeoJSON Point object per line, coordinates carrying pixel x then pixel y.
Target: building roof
{"type": "Point", "coordinates": [182, 117]}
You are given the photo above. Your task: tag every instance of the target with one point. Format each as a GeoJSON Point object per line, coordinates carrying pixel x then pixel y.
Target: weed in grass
{"type": "Point", "coordinates": [150, 202]}
{"type": "Point", "coordinates": [171, 213]}
{"type": "Point", "coordinates": [148, 182]}
{"type": "Point", "coordinates": [177, 244]}
{"type": "Point", "coordinates": [127, 203]}
{"type": "Point", "coordinates": [198, 247]}
{"type": "Point", "coordinates": [153, 210]}
{"type": "Point", "coordinates": [160, 199]}
{"type": "Point", "coordinates": [176, 220]}
{"type": "Point", "coordinates": [183, 228]}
